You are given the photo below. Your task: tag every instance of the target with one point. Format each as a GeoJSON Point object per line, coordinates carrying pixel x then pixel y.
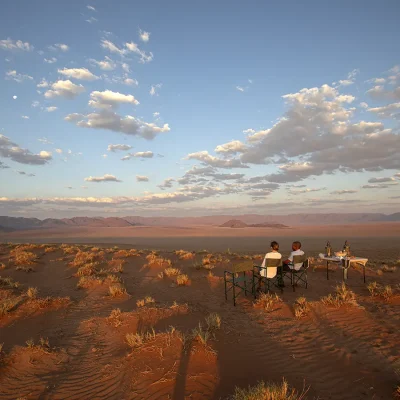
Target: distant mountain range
{"type": "Point", "coordinates": [21, 223]}
{"type": "Point", "coordinates": [237, 223]}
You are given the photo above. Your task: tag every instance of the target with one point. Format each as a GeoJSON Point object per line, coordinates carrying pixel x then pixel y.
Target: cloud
{"type": "Point", "coordinates": [3, 166]}
{"type": "Point", "coordinates": [9, 44]}
{"type": "Point", "coordinates": [59, 151]}
{"type": "Point", "coordinates": [78, 73]}
{"type": "Point", "coordinates": [119, 147]}
{"type": "Point", "coordinates": [167, 183]}
{"type": "Point", "coordinates": [141, 178]}
{"type": "Point", "coordinates": [15, 76]}
{"type": "Point", "coordinates": [45, 140]}
{"type": "Point", "coordinates": [346, 82]}
{"type": "Point", "coordinates": [9, 149]}
{"type": "Point", "coordinates": [15, 97]}
{"type": "Point", "coordinates": [380, 93]}
{"type": "Point", "coordinates": [110, 100]}
{"type": "Point", "coordinates": [91, 20]}
{"type": "Point", "coordinates": [24, 117]}
{"type": "Point", "coordinates": [144, 36]}
{"type": "Point", "coordinates": [59, 46]}
{"type": "Point", "coordinates": [139, 154]}
{"type": "Point", "coordinates": [43, 84]}
{"type": "Point", "coordinates": [128, 48]}
{"type": "Point", "coordinates": [208, 159]}
{"type": "Point", "coordinates": [51, 60]}
{"type": "Point", "coordinates": [65, 89]}
{"type": "Point", "coordinates": [233, 147]}
{"type": "Point", "coordinates": [307, 190]}
{"type": "Point", "coordinates": [91, 8]}
{"type": "Point", "coordinates": [26, 174]}
{"type": "Point", "coordinates": [51, 109]}
{"type": "Point", "coordinates": [154, 89]}
{"type": "Point", "coordinates": [345, 191]}
{"type": "Point", "coordinates": [106, 65]}
{"type": "Point", "coordinates": [156, 114]}
{"type": "Point", "coordinates": [126, 67]}
{"type": "Point", "coordinates": [364, 105]}
{"type": "Point", "coordinates": [105, 178]}
{"type": "Point", "coordinates": [35, 104]}
{"type": "Point", "coordinates": [375, 186]}
{"type": "Point", "coordinates": [240, 88]}
{"type": "Point", "coordinates": [381, 180]}
{"type": "Point", "coordinates": [388, 111]}
{"type": "Point", "coordinates": [109, 120]}
{"type": "Point", "coordinates": [131, 82]}
{"type": "Point", "coordinates": [225, 177]}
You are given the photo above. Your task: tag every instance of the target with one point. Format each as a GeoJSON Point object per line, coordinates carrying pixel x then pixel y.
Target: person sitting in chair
{"type": "Point", "coordinates": [274, 253]}
{"type": "Point", "coordinates": [296, 251]}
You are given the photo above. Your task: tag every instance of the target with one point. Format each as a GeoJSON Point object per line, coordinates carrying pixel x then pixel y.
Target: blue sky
{"type": "Point", "coordinates": [300, 101]}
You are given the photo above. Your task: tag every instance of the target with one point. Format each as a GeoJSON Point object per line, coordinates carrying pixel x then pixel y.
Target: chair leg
{"type": "Point", "coordinates": [306, 280]}
{"type": "Point", "coordinates": [245, 283]}
{"type": "Point", "coordinates": [364, 272]}
{"type": "Point", "coordinates": [226, 293]}
{"type": "Point", "coordinates": [233, 289]}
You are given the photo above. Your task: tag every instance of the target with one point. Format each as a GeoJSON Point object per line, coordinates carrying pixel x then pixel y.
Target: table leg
{"type": "Point", "coordinates": [364, 271]}
{"type": "Point", "coordinates": [327, 270]}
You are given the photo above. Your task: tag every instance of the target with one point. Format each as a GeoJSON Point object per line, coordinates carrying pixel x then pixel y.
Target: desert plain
{"type": "Point", "coordinates": [140, 313]}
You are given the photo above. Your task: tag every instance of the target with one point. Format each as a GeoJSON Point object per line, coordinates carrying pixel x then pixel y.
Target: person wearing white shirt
{"type": "Point", "coordinates": [296, 251]}
{"type": "Point", "coordinates": [274, 253]}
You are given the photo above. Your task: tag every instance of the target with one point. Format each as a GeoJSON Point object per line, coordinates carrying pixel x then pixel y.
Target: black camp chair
{"type": "Point", "coordinates": [300, 275]}
{"type": "Point", "coordinates": [277, 281]}
{"type": "Point", "coordinates": [239, 279]}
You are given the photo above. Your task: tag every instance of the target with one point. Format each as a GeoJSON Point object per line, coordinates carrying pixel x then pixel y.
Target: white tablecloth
{"type": "Point", "coordinates": [357, 260]}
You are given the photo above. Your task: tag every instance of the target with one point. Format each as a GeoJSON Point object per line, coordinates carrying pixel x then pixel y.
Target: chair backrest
{"type": "Point", "coordinates": [301, 260]}
{"type": "Point", "coordinates": [273, 262]}
{"type": "Point", "coordinates": [243, 267]}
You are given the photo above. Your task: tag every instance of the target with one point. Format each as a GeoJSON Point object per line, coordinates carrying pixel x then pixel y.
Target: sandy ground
{"type": "Point", "coordinates": [347, 352]}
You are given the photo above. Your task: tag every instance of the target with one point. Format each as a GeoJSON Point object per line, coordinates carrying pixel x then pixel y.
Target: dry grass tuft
{"type": "Point", "coordinates": [21, 257]}
{"type": "Point", "coordinates": [342, 296]}
{"type": "Point", "coordinates": [8, 305]}
{"type": "Point", "coordinates": [126, 253]}
{"type": "Point", "coordinates": [154, 260]}
{"type": "Point", "coordinates": [83, 258]}
{"type": "Point", "coordinates": [182, 280]}
{"type": "Point", "coordinates": [87, 270]}
{"type": "Point", "coordinates": [8, 283]}
{"type": "Point", "coordinates": [386, 268]}
{"type": "Point", "coordinates": [117, 265]}
{"type": "Point", "coordinates": [184, 255]}
{"type": "Point", "coordinates": [2, 266]}
{"type": "Point", "coordinates": [116, 290]}
{"type": "Point", "coordinates": [375, 289]}
{"type": "Point", "coordinates": [89, 281]}
{"type": "Point", "coordinates": [213, 321]}
{"type": "Point", "coordinates": [160, 275]}
{"type": "Point", "coordinates": [301, 307]}
{"type": "Point", "coordinates": [146, 300]}
{"type": "Point", "coordinates": [50, 249]}
{"type": "Point", "coordinates": [32, 292]}
{"type": "Point", "coordinates": [267, 301]}
{"type": "Point", "coordinates": [25, 269]}
{"type": "Point", "coordinates": [268, 391]}
{"type": "Point", "coordinates": [43, 345]}
{"type": "Point", "coordinates": [170, 271]}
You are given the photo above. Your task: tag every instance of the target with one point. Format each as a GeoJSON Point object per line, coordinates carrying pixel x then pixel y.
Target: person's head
{"type": "Point", "coordinates": [296, 245]}
{"type": "Point", "coordinates": [275, 246]}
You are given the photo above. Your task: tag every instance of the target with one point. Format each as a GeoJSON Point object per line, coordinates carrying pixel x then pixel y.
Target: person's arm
{"type": "Point", "coordinates": [289, 260]}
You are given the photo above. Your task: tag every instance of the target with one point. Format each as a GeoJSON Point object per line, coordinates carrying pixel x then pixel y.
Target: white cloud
{"type": "Point", "coordinates": [91, 8]}
{"type": "Point", "coordinates": [119, 147]}
{"type": "Point", "coordinates": [104, 155]}
{"type": "Point", "coordinates": [9, 149]}
{"type": "Point", "coordinates": [233, 147]}
{"type": "Point", "coordinates": [156, 114]}
{"type": "Point", "coordinates": [24, 117]}
{"type": "Point", "coordinates": [154, 89]}
{"type": "Point", "coordinates": [59, 151]}
{"type": "Point", "coordinates": [109, 120]}
{"type": "Point", "coordinates": [388, 111]}
{"type": "Point", "coordinates": [139, 154]}
{"type": "Point", "coordinates": [51, 60]}
{"type": "Point", "coordinates": [131, 82]}
{"type": "Point", "coordinates": [105, 178]}
{"type": "Point", "coordinates": [106, 65]}
{"type": "Point", "coordinates": [24, 173]}
{"type": "Point", "coordinates": [65, 89]}
{"type": "Point", "coordinates": [240, 88]}
{"type": "Point", "coordinates": [15, 76]}
{"type": "Point", "coordinates": [35, 104]}
{"type": "Point", "coordinates": [59, 46]}
{"type": "Point", "coordinates": [144, 57]}
{"type": "Point", "coordinates": [78, 73]}
{"type": "Point", "coordinates": [144, 36]}
{"type": "Point", "coordinates": [15, 97]}
{"type": "Point", "coordinates": [126, 67]}
{"type": "Point", "coordinates": [43, 83]}
{"type": "Point", "coordinates": [381, 180]}
{"type": "Point", "coordinates": [51, 108]}
{"type": "Point", "coordinates": [45, 140]}
{"type": "Point", "coordinates": [91, 20]}
{"type": "Point", "coordinates": [346, 191]}
{"type": "Point", "coordinates": [364, 105]}
{"type": "Point", "coordinates": [110, 100]}
{"type": "Point", "coordinates": [9, 44]}
{"type": "Point", "coordinates": [110, 46]}
{"type": "Point", "coordinates": [345, 82]}
{"type": "Point", "coordinates": [208, 159]}
{"type": "Point", "coordinates": [379, 92]}
{"type": "Point", "coordinates": [141, 178]}
{"type": "Point", "coordinates": [167, 183]}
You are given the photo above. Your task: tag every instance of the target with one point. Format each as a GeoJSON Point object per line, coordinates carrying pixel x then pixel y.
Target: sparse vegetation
{"type": "Point", "coordinates": [154, 260]}
{"type": "Point", "coordinates": [171, 271]}
{"type": "Point", "coordinates": [375, 289]}
{"type": "Point", "coordinates": [50, 249]}
{"type": "Point", "coordinates": [182, 280]}
{"type": "Point", "coordinates": [213, 321]}
{"type": "Point", "coordinates": [83, 258]}
{"type": "Point", "coordinates": [184, 255]}
{"type": "Point", "coordinates": [43, 345]}
{"type": "Point", "coordinates": [136, 340]}
{"type": "Point", "coordinates": [8, 283]}
{"type": "Point", "coordinates": [201, 334]}
{"type": "Point", "coordinates": [2, 266]}
{"type": "Point", "coordinates": [301, 307]}
{"type": "Point", "coordinates": [268, 391]}
{"type": "Point", "coordinates": [116, 290]}
{"type": "Point", "coordinates": [146, 300]}
{"type": "Point", "coordinates": [32, 292]}
{"type": "Point", "coordinates": [160, 275]}
{"type": "Point", "coordinates": [386, 268]}
{"type": "Point", "coordinates": [267, 301]}
{"type": "Point", "coordinates": [21, 257]}
{"type": "Point", "coordinates": [7, 305]}
{"type": "Point", "coordinates": [342, 296]}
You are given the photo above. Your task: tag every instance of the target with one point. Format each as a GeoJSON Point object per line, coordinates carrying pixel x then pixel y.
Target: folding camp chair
{"type": "Point", "coordinates": [260, 275]}
{"type": "Point", "coordinates": [239, 279]}
{"type": "Point", "coordinates": [299, 275]}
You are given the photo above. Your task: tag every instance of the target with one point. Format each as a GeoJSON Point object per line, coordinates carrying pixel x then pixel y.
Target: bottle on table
{"type": "Point", "coordinates": [328, 249]}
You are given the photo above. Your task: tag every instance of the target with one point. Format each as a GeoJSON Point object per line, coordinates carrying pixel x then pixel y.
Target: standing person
{"type": "Point", "coordinates": [296, 251]}
{"type": "Point", "coordinates": [274, 253]}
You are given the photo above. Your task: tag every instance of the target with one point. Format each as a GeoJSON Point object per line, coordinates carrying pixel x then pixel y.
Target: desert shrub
{"type": "Point", "coordinates": [32, 292]}
{"type": "Point", "coordinates": [160, 275]}
{"type": "Point", "coordinates": [67, 249]}
{"type": "Point", "coordinates": [386, 268]}
{"type": "Point", "coordinates": [87, 270]}
{"type": "Point", "coordinates": [153, 259]}
{"type": "Point", "coordinates": [375, 289]}
{"type": "Point", "coordinates": [125, 253]}
{"type": "Point", "coordinates": [200, 334]}
{"type": "Point", "coordinates": [342, 296]}
{"type": "Point", "coordinates": [267, 301]}
{"type": "Point", "coordinates": [7, 305]}
{"type": "Point", "coordinates": [50, 249]}
{"type": "Point", "coordinates": [116, 263]}
{"type": "Point", "coordinates": [184, 255]}
{"type": "Point", "coordinates": [379, 272]}
{"type": "Point", "coordinates": [134, 339]}
{"type": "Point", "coordinates": [213, 321]}
{"type": "Point", "coordinates": [88, 281]}
{"type": "Point", "coordinates": [301, 307]}
{"type": "Point", "coordinates": [82, 258]}
{"type": "Point", "coordinates": [146, 300]}
{"type": "Point", "coordinates": [22, 257]}
{"type": "Point", "coordinates": [2, 266]}
{"type": "Point", "coordinates": [116, 290]}
{"type": "Point", "coordinates": [114, 278]}
{"type": "Point", "coordinates": [43, 345]}
{"type": "Point", "coordinates": [170, 271]}
{"type": "Point", "coordinates": [8, 283]}
{"type": "Point", "coordinates": [268, 391]}
{"type": "Point", "coordinates": [182, 280]}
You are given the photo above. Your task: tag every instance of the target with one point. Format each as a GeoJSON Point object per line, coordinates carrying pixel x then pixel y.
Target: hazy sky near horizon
{"type": "Point", "coordinates": [197, 108]}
